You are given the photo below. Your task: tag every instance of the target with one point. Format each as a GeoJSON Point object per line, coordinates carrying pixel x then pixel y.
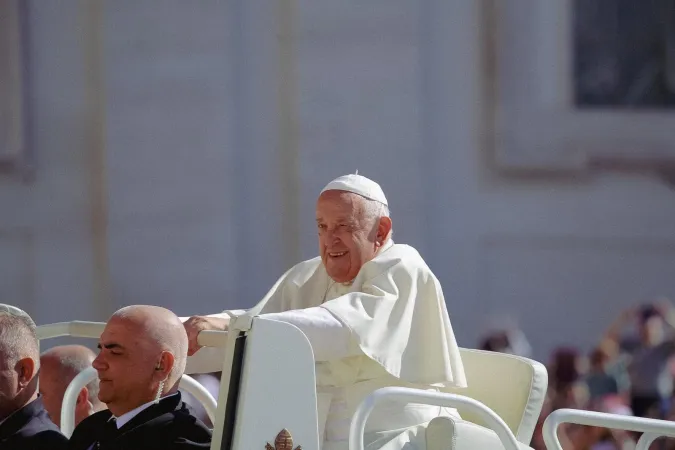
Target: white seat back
{"type": "Point", "coordinates": [512, 386]}
{"type": "Point", "coordinates": [268, 389]}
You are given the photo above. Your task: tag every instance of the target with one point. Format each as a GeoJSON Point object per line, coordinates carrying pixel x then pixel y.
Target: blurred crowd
{"type": "Point", "coordinates": [630, 371]}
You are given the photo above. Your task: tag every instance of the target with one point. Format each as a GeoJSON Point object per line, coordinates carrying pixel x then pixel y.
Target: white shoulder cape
{"type": "Point", "coordinates": [394, 307]}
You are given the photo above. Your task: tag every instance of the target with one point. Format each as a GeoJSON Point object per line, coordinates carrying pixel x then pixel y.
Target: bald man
{"type": "Point", "coordinates": [24, 423]}
{"type": "Point", "coordinates": [142, 356]}
{"type": "Point", "coordinates": [58, 367]}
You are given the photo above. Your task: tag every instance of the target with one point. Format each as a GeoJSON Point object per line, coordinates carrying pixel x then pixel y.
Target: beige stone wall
{"type": "Point", "coordinates": [180, 146]}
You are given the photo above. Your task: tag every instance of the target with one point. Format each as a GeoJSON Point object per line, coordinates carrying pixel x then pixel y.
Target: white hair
{"type": "Point", "coordinates": [374, 211]}
{"type": "Point", "coordinates": [18, 337]}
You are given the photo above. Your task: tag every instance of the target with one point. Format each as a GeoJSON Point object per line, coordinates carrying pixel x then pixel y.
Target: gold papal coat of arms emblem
{"type": "Point", "coordinates": [284, 441]}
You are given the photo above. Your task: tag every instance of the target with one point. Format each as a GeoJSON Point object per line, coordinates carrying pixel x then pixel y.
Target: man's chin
{"type": "Point", "coordinates": [337, 276]}
{"type": "Point", "coordinates": [105, 397]}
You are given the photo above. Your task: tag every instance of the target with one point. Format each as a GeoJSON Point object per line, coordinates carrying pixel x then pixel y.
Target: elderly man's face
{"type": "Point", "coordinates": [125, 366]}
{"type": "Point", "coordinates": [347, 239]}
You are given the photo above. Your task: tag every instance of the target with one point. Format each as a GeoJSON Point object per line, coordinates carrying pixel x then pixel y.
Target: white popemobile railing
{"type": "Point", "coordinates": [93, 330]}
{"type": "Point", "coordinates": [407, 395]}
{"type": "Point", "coordinates": [652, 428]}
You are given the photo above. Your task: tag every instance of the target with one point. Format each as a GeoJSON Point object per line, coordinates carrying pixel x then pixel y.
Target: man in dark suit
{"type": "Point", "coordinates": [142, 356]}
{"type": "Point", "coordinates": [24, 423]}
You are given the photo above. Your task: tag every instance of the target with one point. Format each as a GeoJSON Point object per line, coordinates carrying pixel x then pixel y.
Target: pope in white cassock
{"type": "Point", "coordinates": [374, 314]}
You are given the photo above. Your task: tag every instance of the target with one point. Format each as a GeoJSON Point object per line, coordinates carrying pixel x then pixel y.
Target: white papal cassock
{"type": "Point", "coordinates": [388, 327]}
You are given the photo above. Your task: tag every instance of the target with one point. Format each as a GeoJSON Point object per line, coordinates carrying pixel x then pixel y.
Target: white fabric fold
{"type": "Point", "coordinates": [329, 338]}
{"type": "Point", "coordinates": [394, 308]}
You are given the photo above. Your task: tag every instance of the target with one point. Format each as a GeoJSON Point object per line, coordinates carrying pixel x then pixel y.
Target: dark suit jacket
{"type": "Point", "coordinates": [31, 429]}
{"type": "Point", "coordinates": [165, 426]}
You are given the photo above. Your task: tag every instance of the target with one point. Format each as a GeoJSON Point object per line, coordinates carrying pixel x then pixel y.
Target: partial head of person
{"type": "Point", "coordinates": [598, 359]}
{"type": "Point", "coordinates": [19, 360]}
{"type": "Point", "coordinates": [352, 216]}
{"type": "Point", "coordinates": [651, 325]}
{"type": "Point", "coordinates": [58, 366]}
{"type": "Point", "coordinates": [142, 357]}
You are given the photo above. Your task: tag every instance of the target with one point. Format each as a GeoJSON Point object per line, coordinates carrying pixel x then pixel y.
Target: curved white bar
{"type": "Point", "coordinates": [93, 330]}
{"type": "Point", "coordinates": [408, 395]}
{"type": "Point", "coordinates": [53, 330]}
{"type": "Point", "coordinates": [655, 428]}
{"type": "Point", "coordinates": [88, 375]}
{"type": "Point", "coordinates": [70, 398]}
{"type": "Point", "coordinates": [212, 339]}
{"type": "Point", "coordinates": [201, 394]}
{"type": "Point", "coordinates": [83, 329]}
{"type": "Point", "coordinates": [646, 440]}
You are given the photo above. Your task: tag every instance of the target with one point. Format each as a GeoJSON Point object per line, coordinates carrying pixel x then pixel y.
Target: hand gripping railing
{"type": "Point", "coordinates": [652, 428]}
{"type": "Point", "coordinates": [93, 330]}
{"type": "Point", "coordinates": [408, 395]}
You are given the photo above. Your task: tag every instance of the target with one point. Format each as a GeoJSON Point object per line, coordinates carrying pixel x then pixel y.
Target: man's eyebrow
{"type": "Point", "coordinates": [111, 346]}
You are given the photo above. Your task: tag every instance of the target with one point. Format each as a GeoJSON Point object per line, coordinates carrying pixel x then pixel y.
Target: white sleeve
{"type": "Point", "coordinates": [330, 338]}
{"type": "Point", "coordinates": [223, 315]}
{"type": "Point", "coordinates": [229, 313]}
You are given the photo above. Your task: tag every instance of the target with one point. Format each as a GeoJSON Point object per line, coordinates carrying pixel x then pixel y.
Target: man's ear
{"type": "Point", "coordinates": [383, 229]}
{"type": "Point", "coordinates": [164, 365]}
{"type": "Point", "coordinates": [82, 398]}
{"type": "Point", "coordinates": [25, 369]}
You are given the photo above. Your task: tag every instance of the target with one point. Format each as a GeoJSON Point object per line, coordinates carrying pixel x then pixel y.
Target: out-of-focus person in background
{"type": "Point", "coordinates": [599, 380]}
{"type": "Point", "coordinates": [511, 341]}
{"type": "Point", "coordinates": [24, 422]}
{"type": "Point", "coordinates": [58, 367]}
{"type": "Point", "coordinates": [504, 335]}
{"type": "Point", "coordinates": [566, 370]}
{"type": "Point", "coordinates": [649, 355]}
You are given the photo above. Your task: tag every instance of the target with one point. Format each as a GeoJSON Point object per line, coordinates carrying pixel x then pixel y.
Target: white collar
{"type": "Point", "coordinates": [387, 245]}
{"type": "Point", "coordinates": [126, 417]}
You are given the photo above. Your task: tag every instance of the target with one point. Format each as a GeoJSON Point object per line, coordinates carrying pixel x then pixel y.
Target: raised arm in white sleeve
{"type": "Point", "coordinates": [330, 338]}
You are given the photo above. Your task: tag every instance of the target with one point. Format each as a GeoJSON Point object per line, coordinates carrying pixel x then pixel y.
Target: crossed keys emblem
{"type": "Point", "coordinates": [283, 441]}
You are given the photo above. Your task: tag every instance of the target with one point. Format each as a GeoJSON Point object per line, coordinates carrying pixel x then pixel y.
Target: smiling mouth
{"type": "Point", "coordinates": [336, 254]}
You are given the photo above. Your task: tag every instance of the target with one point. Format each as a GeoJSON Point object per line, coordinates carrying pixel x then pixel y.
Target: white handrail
{"type": "Point", "coordinates": [652, 428]}
{"type": "Point", "coordinates": [70, 399]}
{"type": "Point", "coordinates": [93, 330]}
{"type": "Point", "coordinates": [88, 375]}
{"type": "Point", "coordinates": [202, 395]}
{"type": "Point", "coordinates": [408, 395]}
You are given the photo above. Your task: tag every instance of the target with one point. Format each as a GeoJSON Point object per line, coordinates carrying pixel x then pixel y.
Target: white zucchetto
{"type": "Point", "coordinates": [357, 184]}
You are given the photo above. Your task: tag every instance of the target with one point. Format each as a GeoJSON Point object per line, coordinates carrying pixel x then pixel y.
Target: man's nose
{"type": "Point", "coordinates": [98, 363]}
{"type": "Point", "coordinates": [331, 234]}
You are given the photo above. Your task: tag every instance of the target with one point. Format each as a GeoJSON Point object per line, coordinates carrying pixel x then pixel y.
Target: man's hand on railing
{"type": "Point", "coordinates": [196, 324]}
